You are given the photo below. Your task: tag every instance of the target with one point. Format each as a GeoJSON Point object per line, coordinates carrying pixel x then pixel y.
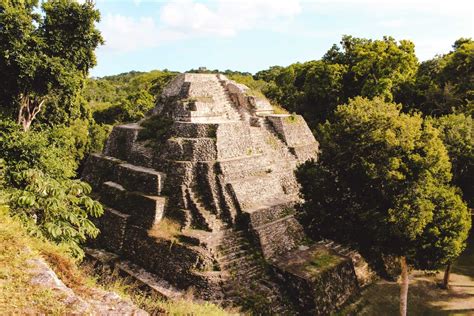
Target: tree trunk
{"type": "Point", "coordinates": [29, 108]}
{"type": "Point", "coordinates": [447, 274]}
{"type": "Point", "coordinates": [404, 287]}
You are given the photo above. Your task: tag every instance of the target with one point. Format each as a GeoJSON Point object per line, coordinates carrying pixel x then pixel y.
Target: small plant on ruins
{"type": "Point", "coordinates": [155, 128]}
{"type": "Point", "coordinates": [272, 142]}
{"type": "Point", "coordinates": [293, 118]}
{"type": "Point", "coordinates": [320, 260]}
{"type": "Point", "coordinates": [383, 181]}
{"type": "Point", "coordinates": [278, 109]}
{"type": "Point", "coordinates": [167, 229]}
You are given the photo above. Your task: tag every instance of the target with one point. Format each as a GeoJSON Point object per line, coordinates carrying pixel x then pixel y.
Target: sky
{"type": "Point", "coordinates": [252, 35]}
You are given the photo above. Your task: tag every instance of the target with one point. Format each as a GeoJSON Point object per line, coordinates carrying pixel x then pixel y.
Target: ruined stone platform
{"type": "Point", "coordinates": [207, 203]}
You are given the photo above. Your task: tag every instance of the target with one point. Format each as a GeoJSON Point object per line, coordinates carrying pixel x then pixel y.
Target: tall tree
{"type": "Point", "coordinates": [457, 133]}
{"type": "Point", "coordinates": [382, 180]}
{"type": "Point", "coordinates": [444, 84]}
{"type": "Point", "coordinates": [45, 57]}
{"type": "Point", "coordinates": [358, 67]}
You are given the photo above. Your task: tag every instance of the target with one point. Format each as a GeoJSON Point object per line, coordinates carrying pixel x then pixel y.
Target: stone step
{"type": "Point", "coordinates": [270, 210]}
{"type": "Point", "coordinates": [145, 210]}
{"type": "Point", "coordinates": [230, 248]}
{"type": "Point", "coordinates": [199, 237]}
{"type": "Point", "coordinates": [234, 255]}
{"type": "Point", "coordinates": [112, 227]}
{"type": "Point", "coordinates": [251, 191]}
{"type": "Point", "coordinates": [140, 179]}
{"type": "Point", "coordinates": [202, 215]}
{"type": "Point", "coordinates": [121, 140]}
{"type": "Point", "coordinates": [100, 168]}
{"type": "Point", "coordinates": [136, 273]}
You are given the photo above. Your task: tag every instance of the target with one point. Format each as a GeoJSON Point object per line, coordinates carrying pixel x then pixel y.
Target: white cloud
{"type": "Point", "coordinates": [180, 19]}
{"type": "Point", "coordinates": [225, 18]}
{"type": "Point", "coordinates": [123, 33]}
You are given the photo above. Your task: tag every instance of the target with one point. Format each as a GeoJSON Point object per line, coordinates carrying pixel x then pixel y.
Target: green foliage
{"type": "Point", "coordinates": [361, 67]}
{"type": "Point", "coordinates": [98, 134]}
{"type": "Point", "coordinates": [444, 84]}
{"type": "Point", "coordinates": [382, 180]}
{"type": "Point", "coordinates": [48, 151]}
{"type": "Point", "coordinates": [58, 210]}
{"type": "Point", "coordinates": [126, 97]}
{"type": "Point", "coordinates": [37, 167]}
{"type": "Point", "coordinates": [456, 131]}
{"type": "Point", "coordinates": [155, 128]}
{"type": "Point", "coordinates": [44, 58]}
{"type": "Point", "coordinates": [257, 87]}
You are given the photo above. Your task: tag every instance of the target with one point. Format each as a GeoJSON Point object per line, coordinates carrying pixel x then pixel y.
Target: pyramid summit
{"type": "Point", "coordinates": [200, 197]}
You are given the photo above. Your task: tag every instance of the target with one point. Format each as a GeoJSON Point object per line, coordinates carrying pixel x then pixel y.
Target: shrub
{"type": "Point", "coordinates": [58, 210]}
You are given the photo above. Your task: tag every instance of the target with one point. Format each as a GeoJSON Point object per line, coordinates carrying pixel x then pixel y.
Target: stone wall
{"type": "Point", "coordinates": [317, 289]}
{"type": "Point", "coordinates": [296, 134]}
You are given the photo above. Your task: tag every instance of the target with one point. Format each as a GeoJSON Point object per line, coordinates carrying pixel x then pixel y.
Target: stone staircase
{"type": "Point", "coordinates": [211, 101]}
{"type": "Point", "coordinates": [250, 283]}
{"type": "Point", "coordinates": [204, 218]}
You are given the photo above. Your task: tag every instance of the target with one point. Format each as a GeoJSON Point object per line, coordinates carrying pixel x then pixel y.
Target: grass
{"type": "Point", "coordinates": [167, 229]}
{"type": "Point", "coordinates": [321, 260]}
{"type": "Point", "coordinates": [18, 296]}
{"type": "Point", "coordinates": [278, 109]}
{"type": "Point", "coordinates": [293, 118]}
{"type": "Point", "coordinates": [424, 295]}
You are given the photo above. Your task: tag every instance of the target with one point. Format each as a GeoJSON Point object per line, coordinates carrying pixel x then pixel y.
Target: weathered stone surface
{"type": "Point", "coordinates": [225, 172]}
{"type": "Point", "coordinates": [97, 302]}
{"type": "Point", "coordinates": [112, 234]}
{"type": "Point", "coordinates": [145, 210]}
{"type": "Point", "coordinates": [318, 278]}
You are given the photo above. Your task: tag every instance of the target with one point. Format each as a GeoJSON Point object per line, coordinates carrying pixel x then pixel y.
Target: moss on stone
{"type": "Point", "coordinates": [321, 260]}
{"type": "Point", "coordinates": [292, 119]}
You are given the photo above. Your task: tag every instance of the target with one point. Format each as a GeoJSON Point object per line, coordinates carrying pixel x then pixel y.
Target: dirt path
{"type": "Point", "coordinates": [424, 296]}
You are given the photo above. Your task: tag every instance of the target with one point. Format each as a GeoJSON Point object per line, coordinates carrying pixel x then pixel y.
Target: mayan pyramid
{"type": "Point", "coordinates": [214, 158]}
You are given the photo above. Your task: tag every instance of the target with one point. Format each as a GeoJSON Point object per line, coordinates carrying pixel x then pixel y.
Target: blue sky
{"type": "Point", "coordinates": [251, 35]}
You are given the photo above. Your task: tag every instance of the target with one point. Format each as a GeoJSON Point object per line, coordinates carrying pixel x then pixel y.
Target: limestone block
{"type": "Point", "coordinates": [145, 210]}
{"type": "Point", "coordinates": [278, 209]}
{"type": "Point", "coordinates": [318, 279]}
{"type": "Point", "coordinates": [192, 149]}
{"type": "Point", "coordinates": [174, 87]}
{"type": "Point", "coordinates": [164, 257]}
{"type": "Point", "coordinates": [112, 230]}
{"type": "Point", "coordinates": [294, 131]}
{"type": "Point", "coordinates": [194, 130]}
{"type": "Point", "coordinates": [305, 152]}
{"type": "Point", "coordinates": [135, 178]}
{"type": "Point", "coordinates": [256, 191]}
{"type": "Point", "coordinates": [99, 168]}
{"type": "Point", "coordinates": [279, 237]}
{"type": "Point", "coordinates": [233, 140]}
{"type": "Point", "coordinates": [121, 140]}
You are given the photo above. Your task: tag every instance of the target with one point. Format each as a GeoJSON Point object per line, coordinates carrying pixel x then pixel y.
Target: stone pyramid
{"type": "Point", "coordinates": [215, 161]}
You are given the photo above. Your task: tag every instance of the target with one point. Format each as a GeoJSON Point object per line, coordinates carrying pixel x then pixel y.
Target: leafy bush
{"type": "Point", "coordinates": [155, 127]}
{"type": "Point", "coordinates": [50, 152]}
{"type": "Point", "coordinates": [58, 210]}
{"type": "Point", "coordinates": [37, 167]}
